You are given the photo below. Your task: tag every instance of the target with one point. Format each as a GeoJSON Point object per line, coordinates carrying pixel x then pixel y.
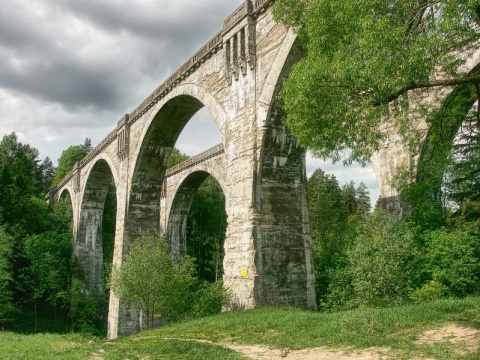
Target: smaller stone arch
{"type": "Point", "coordinates": [179, 208]}
{"type": "Point", "coordinates": [64, 193]}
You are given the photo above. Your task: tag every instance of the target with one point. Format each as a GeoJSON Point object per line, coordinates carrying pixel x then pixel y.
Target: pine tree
{"type": "Point", "coordinates": [464, 180]}
{"type": "Point", "coordinates": [363, 200]}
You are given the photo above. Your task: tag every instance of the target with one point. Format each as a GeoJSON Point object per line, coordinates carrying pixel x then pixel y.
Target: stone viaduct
{"type": "Point", "coordinates": [259, 166]}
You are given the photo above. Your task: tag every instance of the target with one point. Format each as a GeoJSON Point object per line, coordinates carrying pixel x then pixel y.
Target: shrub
{"type": "Point", "coordinates": [210, 299]}
{"type": "Point", "coordinates": [383, 261]}
{"type": "Point", "coordinates": [431, 290]}
{"type": "Point", "coordinates": [453, 260]}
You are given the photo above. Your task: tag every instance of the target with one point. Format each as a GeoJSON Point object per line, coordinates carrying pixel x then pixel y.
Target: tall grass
{"type": "Point", "coordinates": [394, 328]}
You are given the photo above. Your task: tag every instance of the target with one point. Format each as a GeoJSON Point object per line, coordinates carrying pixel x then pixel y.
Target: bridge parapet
{"type": "Point", "coordinates": [261, 5]}
{"type": "Point", "coordinates": [248, 8]}
{"type": "Point", "coordinates": [194, 160]}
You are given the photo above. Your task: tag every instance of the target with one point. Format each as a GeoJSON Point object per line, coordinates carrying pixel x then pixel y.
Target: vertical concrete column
{"type": "Point", "coordinates": [239, 261]}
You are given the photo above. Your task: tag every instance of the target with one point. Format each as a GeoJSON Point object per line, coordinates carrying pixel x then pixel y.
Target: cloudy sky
{"type": "Point", "coordinates": [70, 69]}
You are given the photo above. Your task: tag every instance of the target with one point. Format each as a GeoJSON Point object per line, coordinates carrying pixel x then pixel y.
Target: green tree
{"type": "Point", "coordinates": [176, 157]}
{"type": "Point", "coordinates": [150, 281]}
{"type": "Point", "coordinates": [48, 172]}
{"type": "Point", "coordinates": [108, 233]}
{"type": "Point", "coordinates": [20, 179]}
{"type": "Point", "coordinates": [363, 200]}
{"type": "Point", "coordinates": [463, 184]}
{"type": "Point", "coordinates": [48, 273]}
{"type": "Point", "coordinates": [349, 197]}
{"type": "Point", "coordinates": [68, 159]}
{"type": "Point", "coordinates": [383, 261]}
{"type": "Point", "coordinates": [7, 306]}
{"type": "Point", "coordinates": [328, 226]}
{"type": "Point", "coordinates": [206, 228]}
{"type": "Point", "coordinates": [364, 58]}
{"type": "Point", "coordinates": [87, 145]}
{"type": "Point", "coordinates": [452, 259]}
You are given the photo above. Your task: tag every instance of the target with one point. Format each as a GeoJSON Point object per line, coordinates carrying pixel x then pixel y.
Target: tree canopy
{"type": "Point", "coordinates": [150, 280]}
{"type": "Point", "coordinates": [364, 59]}
{"type": "Point", "coordinates": [69, 157]}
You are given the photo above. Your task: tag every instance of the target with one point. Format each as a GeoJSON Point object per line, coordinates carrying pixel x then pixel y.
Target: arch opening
{"type": "Point", "coordinates": [427, 192]}
{"type": "Point", "coordinates": [206, 229]}
{"type": "Point", "coordinates": [152, 162]}
{"type": "Point", "coordinates": [94, 241]}
{"type": "Point", "coordinates": [197, 224]}
{"type": "Point", "coordinates": [63, 210]}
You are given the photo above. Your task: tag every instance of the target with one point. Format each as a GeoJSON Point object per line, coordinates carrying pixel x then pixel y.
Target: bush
{"type": "Point", "coordinates": [380, 268]}
{"type": "Point", "coordinates": [453, 260]}
{"type": "Point", "coordinates": [209, 299]}
{"type": "Point", "coordinates": [431, 290]}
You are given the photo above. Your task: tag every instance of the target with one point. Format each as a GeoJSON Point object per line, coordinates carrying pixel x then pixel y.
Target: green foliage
{"type": "Point", "coordinates": [383, 261]}
{"type": "Point", "coordinates": [453, 260]}
{"type": "Point", "coordinates": [334, 214]}
{"type": "Point", "coordinates": [328, 223]}
{"type": "Point", "coordinates": [48, 172]}
{"type": "Point", "coordinates": [67, 160]}
{"type": "Point", "coordinates": [209, 299]}
{"type": "Point", "coordinates": [362, 197]}
{"type": "Point", "coordinates": [463, 184]}
{"type": "Point", "coordinates": [206, 228]}
{"type": "Point", "coordinates": [6, 297]}
{"type": "Point", "coordinates": [379, 267]}
{"type": "Point", "coordinates": [62, 215]}
{"type": "Point", "coordinates": [83, 308]}
{"type": "Point", "coordinates": [20, 179]}
{"type": "Point", "coordinates": [49, 255]}
{"type": "Point", "coordinates": [150, 281]}
{"type": "Point", "coordinates": [176, 157]}
{"type": "Point", "coordinates": [431, 290]}
{"type": "Point", "coordinates": [427, 188]}
{"type": "Point", "coordinates": [108, 233]}
{"type": "Point", "coordinates": [363, 58]}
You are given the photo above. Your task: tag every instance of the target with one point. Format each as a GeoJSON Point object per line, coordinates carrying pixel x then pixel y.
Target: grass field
{"type": "Point", "coordinates": [395, 331]}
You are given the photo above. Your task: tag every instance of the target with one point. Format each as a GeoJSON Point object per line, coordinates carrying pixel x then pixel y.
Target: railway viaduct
{"type": "Point", "coordinates": [259, 166]}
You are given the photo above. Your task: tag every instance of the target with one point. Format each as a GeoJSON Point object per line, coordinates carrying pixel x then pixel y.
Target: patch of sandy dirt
{"type": "Point", "coordinates": [262, 353]}
{"type": "Point", "coordinates": [465, 336]}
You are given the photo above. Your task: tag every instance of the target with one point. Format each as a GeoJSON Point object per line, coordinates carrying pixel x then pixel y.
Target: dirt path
{"type": "Point", "coordinates": [456, 334]}
{"type": "Point", "coordinates": [322, 353]}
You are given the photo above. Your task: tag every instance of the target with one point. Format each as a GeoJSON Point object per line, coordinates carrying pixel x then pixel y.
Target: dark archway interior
{"type": "Point", "coordinates": [206, 229]}
{"type": "Point", "coordinates": [437, 147]}
{"type": "Point", "coordinates": [96, 234]}
{"type": "Point", "coordinates": [197, 224]}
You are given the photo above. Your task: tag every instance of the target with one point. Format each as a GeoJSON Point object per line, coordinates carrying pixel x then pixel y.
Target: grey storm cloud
{"type": "Point", "coordinates": [48, 49]}
{"type": "Point", "coordinates": [70, 69]}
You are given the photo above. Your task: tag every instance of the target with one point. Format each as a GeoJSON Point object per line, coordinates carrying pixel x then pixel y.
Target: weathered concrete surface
{"type": "Point", "coordinates": [236, 75]}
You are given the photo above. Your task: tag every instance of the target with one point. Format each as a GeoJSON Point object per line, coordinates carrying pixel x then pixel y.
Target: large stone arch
{"type": "Point", "coordinates": [88, 245]}
{"type": "Point", "coordinates": [395, 160]}
{"type": "Point", "coordinates": [158, 140]}
{"type": "Point", "coordinates": [444, 124]}
{"type": "Point", "coordinates": [180, 208]}
{"type": "Point", "coordinates": [149, 157]}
